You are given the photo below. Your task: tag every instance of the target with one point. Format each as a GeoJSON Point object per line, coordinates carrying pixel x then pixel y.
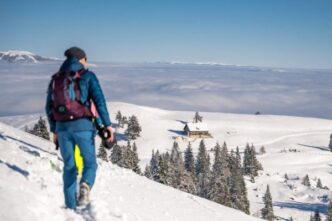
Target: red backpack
{"type": "Point", "coordinates": [66, 104]}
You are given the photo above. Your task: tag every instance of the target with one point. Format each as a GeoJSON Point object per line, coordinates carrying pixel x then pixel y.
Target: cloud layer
{"type": "Point", "coordinates": [182, 87]}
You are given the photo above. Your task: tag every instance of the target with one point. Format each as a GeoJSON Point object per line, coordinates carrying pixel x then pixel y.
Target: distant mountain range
{"type": "Point", "coordinates": [16, 56]}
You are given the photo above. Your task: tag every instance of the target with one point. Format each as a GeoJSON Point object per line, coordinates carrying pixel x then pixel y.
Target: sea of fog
{"type": "Point", "coordinates": [219, 88]}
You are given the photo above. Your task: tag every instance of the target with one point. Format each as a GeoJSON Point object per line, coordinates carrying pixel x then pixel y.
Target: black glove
{"type": "Point", "coordinates": [105, 134]}
{"type": "Point", "coordinates": [57, 145]}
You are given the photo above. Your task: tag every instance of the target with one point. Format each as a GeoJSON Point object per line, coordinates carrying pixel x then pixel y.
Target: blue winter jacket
{"type": "Point", "coordinates": [90, 89]}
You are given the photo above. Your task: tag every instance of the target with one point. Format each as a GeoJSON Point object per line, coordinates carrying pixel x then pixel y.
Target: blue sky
{"type": "Point", "coordinates": [283, 33]}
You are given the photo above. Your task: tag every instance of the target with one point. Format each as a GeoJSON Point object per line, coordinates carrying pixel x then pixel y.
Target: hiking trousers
{"type": "Point", "coordinates": [85, 141]}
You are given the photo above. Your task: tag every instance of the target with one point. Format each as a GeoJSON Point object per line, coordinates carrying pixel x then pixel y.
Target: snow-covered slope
{"type": "Point", "coordinates": [279, 134]}
{"type": "Point", "coordinates": [15, 56]}
{"type": "Point", "coordinates": [31, 189]}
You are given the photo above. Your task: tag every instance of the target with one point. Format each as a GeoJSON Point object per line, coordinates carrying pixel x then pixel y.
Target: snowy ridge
{"type": "Point", "coordinates": [31, 189]}
{"type": "Point", "coordinates": [16, 56]}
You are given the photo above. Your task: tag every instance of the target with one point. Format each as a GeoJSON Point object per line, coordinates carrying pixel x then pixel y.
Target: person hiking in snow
{"type": "Point", "coordinates": [71, 95]}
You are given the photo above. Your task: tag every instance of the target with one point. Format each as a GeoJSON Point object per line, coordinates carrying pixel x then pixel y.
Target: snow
{"type": "Point", "coordinates": [280, 135]}
{"type": "Point", "coordinates": [31, 189]}
{"type": "Point", "coordinates": [198, 126]}
{"type": "Point", "coordinates": [21, 56]}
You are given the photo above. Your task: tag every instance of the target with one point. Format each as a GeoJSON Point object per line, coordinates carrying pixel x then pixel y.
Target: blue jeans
{"type": "Point", "coordinates": [85, 141]}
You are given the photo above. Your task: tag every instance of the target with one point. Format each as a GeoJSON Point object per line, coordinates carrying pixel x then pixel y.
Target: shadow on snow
{"type": "Point", "coordinates": [307, 207]}
{"type": "Point", "coordinates": [16, 169]}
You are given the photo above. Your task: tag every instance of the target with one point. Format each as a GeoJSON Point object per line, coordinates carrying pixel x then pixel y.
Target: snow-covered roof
{"type": "Point", "coordinates": [197, 127]}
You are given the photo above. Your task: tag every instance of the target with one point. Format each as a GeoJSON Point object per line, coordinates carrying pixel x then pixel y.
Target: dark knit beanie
{"type": "Point", "coordinates": [75, 52]}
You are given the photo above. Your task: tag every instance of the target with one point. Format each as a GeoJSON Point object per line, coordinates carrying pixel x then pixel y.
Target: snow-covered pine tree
{"type": "Point", "coordinates": [147, 172]}
{"type": "Point", "coordinates": [319, 184]}
{"type": "Point", "coordinates": [286, 177]}
{"type": "Point", "coordinates": [238, 189]}
{"type": "Point", "coordinates": [189, 160]}
{"type": "Point", "coordinates": [116, 155]}
{"type": "Point", "coordinates": [176, 167]}
{"type": "Point", "coordinates": [330, 144]}
{"type": "Point", "coordinates": [102, 154]}
{"type": "Point", "coordinates": [127, 156]}
{"type": "Point", "coordinates": [118, 117]}
{"type": "Point", "coordinates": [162, 173]}
{"type": "Point", "coordinates": [251, 165]}
{"type": "Point", "coordinates": [219, 191]}
{"type": "Point", "coordinates": [267, 210]}
{"type": "Point", "coordinates": [197, 118]}
{"type": "Point", "coordinates": [247, 164]}
{"type": "Point", "coordinates": [136, 160]}
{"type": "Point", "coordinates": [329, 212]}
{"type": "Point", "coordinates": [306, 181]}
{"type": "Point", "coordinates": [124, 121]}
{"type": "Point", "coordinates": [154, 165]}
{"type": "Point", "coordinates": [134, 129]}
{"type": "Point", "coordinates": [238, 155]}
{"type": "Point", "coordinates": [317, 215]}
{"type": "Point", "coordinates": [203, 172]}
{"type": "Point", "coordinates": [262, 150]}
{"type": "Point", "coordinates": [256, 165]}
{"type": "Point", "coordinates": [40, 129]}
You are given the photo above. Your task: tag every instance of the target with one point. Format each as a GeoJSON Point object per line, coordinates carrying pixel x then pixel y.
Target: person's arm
{"type": "Point", "coordinates": [48, 108]}
{"type": "Point", "coordinates": [98, 98]}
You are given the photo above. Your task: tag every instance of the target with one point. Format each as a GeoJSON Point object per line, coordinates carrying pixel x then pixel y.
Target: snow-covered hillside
{"type": "Point", "coordinates": [280, 135]}
{"type": "Point", "coordinates": [15, 56]}
{"type": "Point", "coordinates": [31, 189]}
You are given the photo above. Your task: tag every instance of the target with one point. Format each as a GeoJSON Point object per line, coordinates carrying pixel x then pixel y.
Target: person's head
{"type": "Point", "coordinates": [78, 53]}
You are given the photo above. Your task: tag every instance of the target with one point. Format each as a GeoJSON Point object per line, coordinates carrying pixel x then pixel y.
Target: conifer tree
{"type": "Point", "coordinates": [286, 177]}
{"type": "Point", "coordinates": [162, 174]}
{"type": "Point", "coordinates": [136, 160]}
{"type": "Point", "coordinates": [247, 164]}
{"type": "Point", "coordinates": [267, 210]}
{"type": "Point", "coordinates": [306, 181]}
{"type": "Point", "coordinates": [218, 189]}
{"type": "Point", "coordinates": [203, 173]}
{"type": "Point", "coordinates": [237, 185]}
{"type": "Point", "coordinates": [127, 156]}
{"type": "Point", "coordinates": [124, 121]}
{"type": "Point", "coordinates": [238, 155]}
{"type": "Point", "coordinates": [176, 169]}
{"type": "Point", "coordinates": [40, 129]}
{"type": "Point", "coordinates": [290, 219]}
{"type": "Point", "coordinates": [330, 144]}
{"type": "Point", "coordinates": [189, 160]}
{"type": "Point", "coordinates": [102, 154]}
{"type": "Point", "coordinates": [118, 117]}
{"type": "Point", "coordinates": [319, 184]}
{"type": "Point", "coordinates": [317, 216]}
{"type": "Point", "coordinates": [154, 165]}
{"type": "Point", "coordinates": [329, 212]}
{"type": "Point", "coordinates": [262, 150]}
{"type": "Point", "coordinates": [117, 155]}
{"type": "Point", "coordinates": [147, 172]}
{"type": "Point", "coordinates": [251, 165]}
{"type": "Point", "coordinates": [197, 118]}
{"type": "Point", "coordinates": [134, 129]}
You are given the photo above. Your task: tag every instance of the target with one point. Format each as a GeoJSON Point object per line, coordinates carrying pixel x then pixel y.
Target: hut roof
{"type": "Point", "coordinates": [196, 127]}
